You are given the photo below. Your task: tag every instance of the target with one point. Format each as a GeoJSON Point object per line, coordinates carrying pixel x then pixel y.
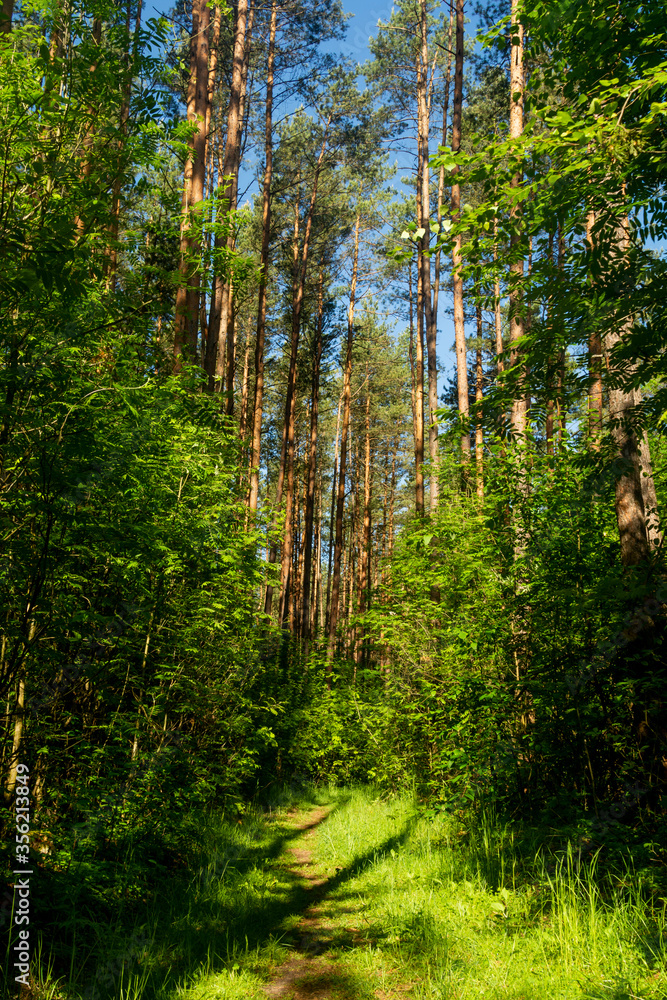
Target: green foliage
{"type": "Point", "coordinates": [128, 577]}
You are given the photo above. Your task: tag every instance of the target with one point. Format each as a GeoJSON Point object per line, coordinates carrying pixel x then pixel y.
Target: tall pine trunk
{"type": "Point", "coordinates": [457, 254]}
{"type": "Point", "coordinates": [594, 361]}
{"type": "Point", "coordinates": [227, 186]}
{"type": "Point", "coordinates": [332, 514]}
{"type": "Point", "coordinates": [634, 499]}
{"type": "Point", "coordinates": [519, 414]}
{"type": "Point", "coordinates": [290, 404]}
{"type": "Point", "coordinates": [186, 319]}
{"type": "Point", "coordinates": [340, 498]}
{"type": "Point", "coordinates": [226, 364]}
{"type": "Point", "coordinates": [365, 553]}
{"type": "Point", "coordinates": [441, 175]}
{"type": "Point", "coordinates": [424, 258]}
{"type": "Point", "coordinates": [131, 53]}
{"type": "Point", "coordinates": [479, 396]}
{"type": "Point", "coordinates": [264, 265]}
{"type": "Point", "coordinates": [282, 466]}
{"type": "Point", "coordinates": [312, 460]}
{"type": "Point", "coordinates": [497, 315]}
{"type": "Point", "coordinates": [416, 356]}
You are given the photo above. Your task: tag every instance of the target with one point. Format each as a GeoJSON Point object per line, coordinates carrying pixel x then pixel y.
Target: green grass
{"type": "Point", "coordinates": [457, 915]}
{"type": "Point", "coordinates": [413, 906]}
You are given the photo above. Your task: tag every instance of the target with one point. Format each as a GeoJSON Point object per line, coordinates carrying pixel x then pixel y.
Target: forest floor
{"type": "Point", "coordinates": [347, 894]}
{"type": "Point", "coordinates": [394, 904]}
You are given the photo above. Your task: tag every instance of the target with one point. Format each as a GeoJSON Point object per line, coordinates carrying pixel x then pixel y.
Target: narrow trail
{"type": "Point", "coordinates": [315, 971]}
{"type": "Point", "coordinates": [308, 974]}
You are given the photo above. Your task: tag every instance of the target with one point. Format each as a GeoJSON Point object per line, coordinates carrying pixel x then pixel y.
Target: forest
{"type": "Point", "coordinates": [333, 412]}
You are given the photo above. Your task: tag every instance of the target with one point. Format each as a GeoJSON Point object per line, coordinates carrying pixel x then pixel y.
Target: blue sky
{"type": "Point", "coordinates": [362, 25]}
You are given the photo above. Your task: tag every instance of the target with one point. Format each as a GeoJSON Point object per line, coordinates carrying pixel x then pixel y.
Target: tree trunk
{"type": "Point", "coordinates": [649, 496]}
{"type": "Point", "coordinates": [561, 407]}
{"type": "Point", "coordinates": [227, 184]}
{"type": "Point", "coordinates": [291, 384]}
{"type": "Point", "coordinates": [424, 258]}
{"type": "Point", "coordinates": [312, 461]}
{"type": "Point", "coordinates": [518, 416]}
{"type": "Point", "coordinates": [130, 63]}
{"type": "Point", "coordinates": [332, 514]}
{"type": "Point", "coordinates": [417, 373]}
{"type": "Point", "coordinates": [630, 510]}
{"type": "Point", "coordinates": [316, 608]}
{"type": "Point", "coordinates": [497, 316]}
{"type": "Point", "coordinates": [186, 319]}
{"type": "Point", "coordinates": [340, 500]}
{"type": "Point", "coordinates": [283, 449]}
{"type": "Point", "coordinates": [457, 254]}
{"type": "Point", "coordinates": [297, 575]}
{"type": "Point", "coordinates": [19, 724]}
{"type": "Point", "coordinates": [630, 513]}
{"type": "Point", "coordinates": [227, 365]}
{"type": "Point", "coordinates": [594, 364]}
{"type": "Point", "coordinates": [7, 14]}
{"type": "Point", "coordinates": [213, 69]}
{"type": "Point", "coordinates": [365, 553]}
{"type": "Point", "coordinates": [264, 265]}
{"type": "Point", "coordinates": [479, 395]}
{"type": "Point", "coordinates": [243, 418]}
{"type": "Point", "coordinates": [392, 497]}
{"type": "Point", "coordinates": [441, 175]}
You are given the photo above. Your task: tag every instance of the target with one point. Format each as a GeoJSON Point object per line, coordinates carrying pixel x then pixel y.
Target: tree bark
{"type": "Point", "coordinates": [340, 499]}
{"type": "Point", "coordinates": [518, 415]}
{"type": "Point", "coordinates": [227, 183]}
{"type": "Point", "coordinates": [479, 396]}
{"type": "Point", "coordinates": [457, 254]}
{"type": "Point", "coordinates": [318, 605]}
{"type": "Point", "coordinates": [497, 315]}
{"type": "Point", "coordinates": [594, 363]}
{"type": "Point", "coordinates": [17, 740]}
{"type": "Point", "coordinates": [334, 480]}
{"type": "Point", "coordinates": [186, 319]}
{"type": "Point", "coordinates": [649, 496]}
{"type": "Point", "coordinates": [366, 554]}
{"type": "Point", "coordinates": [227, 365]}
{"type": "Point", "coordinates": [424, 258]}
{"type": "Point", "coordinates": [7, 15]}
{"type": "Point", "coordinates": [312, 461]}
{"type": "Point", "coordinates": [243, 417]}
{"type": "Point", "coordinates": [130, 63]}
{"type": "Point", "coordinates": [417, 373]}
{"type": "Point", "coordinates": [213, 68]}
{"type": "Point", "coordinates": [283, 449]}
{"type": "Point", "coordinates": [264, 265]}
{"type": "Point", "coordinates": [630, 510]}
{"type": "Point", "coordinates": [441, 175]}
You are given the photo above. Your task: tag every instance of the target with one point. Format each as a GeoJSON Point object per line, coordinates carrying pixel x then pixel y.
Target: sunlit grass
{"type": "Point", "coordinates": [416, 905]}
{"type": "Point", "coordinates": [453, 912]}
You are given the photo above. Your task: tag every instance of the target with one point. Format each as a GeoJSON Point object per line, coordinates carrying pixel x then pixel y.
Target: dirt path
{"type": "Point", "coordinates": [310, 974]}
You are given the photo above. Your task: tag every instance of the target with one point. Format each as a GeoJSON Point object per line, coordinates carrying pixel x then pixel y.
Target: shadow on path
{"type": "Point", "coordinates": [214, 929]}
{"type": "Point", "coordinates": [309, 973]}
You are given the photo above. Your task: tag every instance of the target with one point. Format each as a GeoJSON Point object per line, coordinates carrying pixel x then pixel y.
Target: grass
{"type": "Point", "coordinates": [454, 911]}
{"type": "Point", "coordinates": [412, 905]}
